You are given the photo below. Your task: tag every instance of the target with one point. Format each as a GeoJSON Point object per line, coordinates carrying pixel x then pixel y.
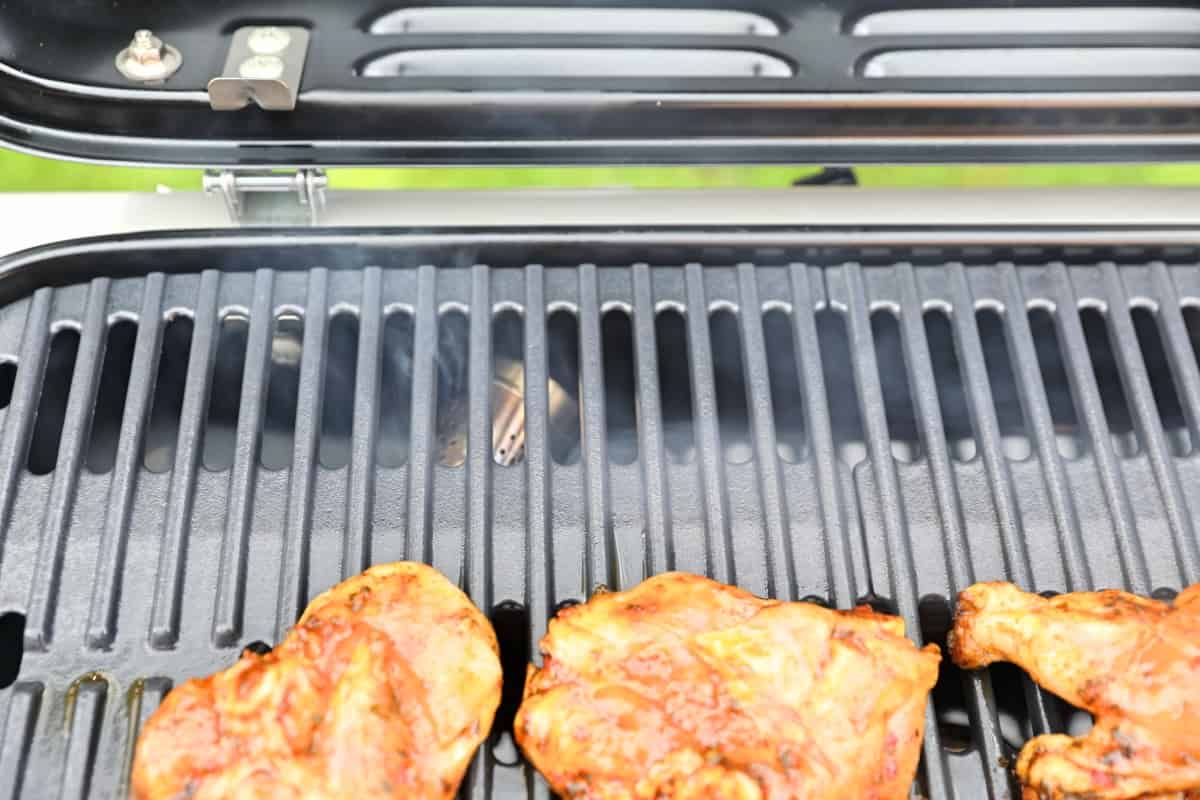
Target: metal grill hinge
{"type": "Point", "coordinates": [270, 198]}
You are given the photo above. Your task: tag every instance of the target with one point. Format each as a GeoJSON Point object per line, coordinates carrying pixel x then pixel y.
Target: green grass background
{"type": "Point", "coordinates": [24, 173]}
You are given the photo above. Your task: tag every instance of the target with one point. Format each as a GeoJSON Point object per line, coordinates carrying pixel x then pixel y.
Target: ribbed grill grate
{"type": "Point", "coordinates": [186, 460]}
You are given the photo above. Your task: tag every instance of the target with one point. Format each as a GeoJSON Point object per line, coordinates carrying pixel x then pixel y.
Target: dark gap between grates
{"type": "Point", "coordinates": [508, 388]}
{"type": "Point", "coordinates": [395, 390]}
{"type": "Point", "coordinates": [1009, 686]}
{"type": "Point", "coordinates": [845, 414]}
{"type": "Point", "coordinates": [278, 432]}
{"type": "Point", "coordinates": [893, 380]}
{"type": "Point", "coordinates": [879, 603]}
{"type": "Point", "coordinates": [1108, 378]}
{"type": "Point", "coordinates": [1162, 381]}
{"type": "Point", "coordinates": [1057, 383]}
{"type": "Point", "coordinates": [787, 400]}
{"type": "Point", "coordinates": [952, 395]}
{"type": "Point", "coordinates": [8, 379]}
{"type": "Point", "coordinates": [52, 405]}
{"type": "Point", "coordinates": [1165, 594]}
{"type": "Point", "coordinates": [12, 647]}
{"type": "Point", "coordinates": [949, 693]}
{"type": "Point", "coordinates": [1076, 721]}
{"type": "Point", "coordinates": [729, 383]}
{"type": "Point", "coordinates": [451, 370]}
{"type": "Point", "coordinates": [225, 396]}
{"type": "Point", "coordinates": [341, 371]}
{"type": "Point", "coordinates": [110, 396]}
{"type": "Point", "coordinates": [159, 447]}
{"type": "Point", "coordinates": [563, 605]}
{"type": "Point", "coordinates": [1191, 322]}
{"type": "Point", "coordinates": [562, 362]}
{"type": "Point", "coordinates": [1010, 416]}
{"type": "Point", "coordinates": [620, 409]}
{"type": "Point", "coordinates": [674, 384]}
{"type": "Point", "coordinates": [258, 647]}
{"type": "Point", "coordinates": [511, 623]}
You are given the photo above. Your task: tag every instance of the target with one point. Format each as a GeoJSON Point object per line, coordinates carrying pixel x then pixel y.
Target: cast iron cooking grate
{"type": "Point", "coordinates": [185, 460]}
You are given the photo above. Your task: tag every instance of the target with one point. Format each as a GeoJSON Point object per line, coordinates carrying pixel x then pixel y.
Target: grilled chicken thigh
{"type": "Point", "coordinates": [384, 689]}
{"type": "Point", "coordinates": [686, 688]}
{"type": "Point", "coordinates": [1133, 663]}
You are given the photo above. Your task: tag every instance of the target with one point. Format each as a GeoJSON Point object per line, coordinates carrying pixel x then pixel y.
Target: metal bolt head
{"type": "Point", "coordinates": [147, 59]}
{"type": "Point", "coordinates": [262, 68]}
{"type": "Point", "coordinates": [146, 48]}
{"type": "Point", "coordinates": [268, 40]}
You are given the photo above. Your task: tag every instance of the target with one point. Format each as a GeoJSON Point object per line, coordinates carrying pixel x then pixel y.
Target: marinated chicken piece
{"type": "Point", "coordinates": [384, 689]}
{"type": "Point", "coordinates": [686, 688]}
{"type": "Point", "coordinates": [1133, 663]}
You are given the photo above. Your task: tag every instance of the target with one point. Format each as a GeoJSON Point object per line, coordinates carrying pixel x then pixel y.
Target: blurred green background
{"type": "Point", "coordinates": [25, 173]}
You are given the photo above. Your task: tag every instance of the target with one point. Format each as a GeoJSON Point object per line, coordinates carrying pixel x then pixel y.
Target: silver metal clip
{"type": "Point", "coordinates": [270, 198]}
{"type": "Point", "coordinates": [264, 66]}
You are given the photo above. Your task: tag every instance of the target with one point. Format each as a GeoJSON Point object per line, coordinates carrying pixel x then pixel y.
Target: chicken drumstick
{"type": "Point", "coordinates": [1133, 663]}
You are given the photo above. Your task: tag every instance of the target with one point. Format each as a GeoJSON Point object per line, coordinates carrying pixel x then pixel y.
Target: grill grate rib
{"type": "Point", "coordinates": [180, 557]}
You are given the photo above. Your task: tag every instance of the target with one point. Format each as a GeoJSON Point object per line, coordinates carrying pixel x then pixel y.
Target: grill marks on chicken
{"type": "Point", "coordinates": [1134, 663]}
{"type": "Point", "coordinates": [384, 689]}
{"type": "Point", "coordinates": [686, 688]}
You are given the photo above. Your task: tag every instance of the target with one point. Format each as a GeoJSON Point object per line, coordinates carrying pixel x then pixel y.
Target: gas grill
{"type": "Point", "coordinates": [838, 395]}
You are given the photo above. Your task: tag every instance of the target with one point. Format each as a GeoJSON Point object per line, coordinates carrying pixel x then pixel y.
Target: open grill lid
{"type": "Point", "coordinates": [616, 81]}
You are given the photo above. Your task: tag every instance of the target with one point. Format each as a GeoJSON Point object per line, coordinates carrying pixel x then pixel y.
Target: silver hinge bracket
{"type": "Point", "coordinates": [264, 66]}
{"type": "Point", "coordinates": [270, 198]}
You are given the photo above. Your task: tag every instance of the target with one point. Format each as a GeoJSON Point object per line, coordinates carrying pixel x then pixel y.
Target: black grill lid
{"type": "Point", "coordinates": [619, 81]}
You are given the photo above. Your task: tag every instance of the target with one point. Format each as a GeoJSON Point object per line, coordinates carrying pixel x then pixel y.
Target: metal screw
{"type": "Point", "coordinates": [147, 59]}
{"type": "Point", "coordinates": [261, 68]}
{"type": "Point", "coordinates": [145, 47]}
{"type": "Point", "coordinates": [268, 41]}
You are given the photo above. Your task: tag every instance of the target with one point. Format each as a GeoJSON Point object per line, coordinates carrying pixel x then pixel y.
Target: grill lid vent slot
{"type": "Point", "coordinates": [557, 20]}
{"type": "Point", "coordinates": [1035, 62]}
{"type": "Point", "coordinates": [992, 21]}
{"type": "Point", "coordinates": [579, 62]}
